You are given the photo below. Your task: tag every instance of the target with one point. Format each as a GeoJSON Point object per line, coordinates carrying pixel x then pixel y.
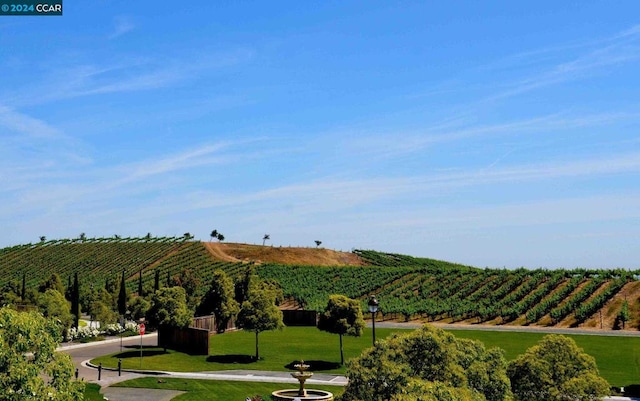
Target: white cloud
{"type": "Point", "coordinates": [122, 25]}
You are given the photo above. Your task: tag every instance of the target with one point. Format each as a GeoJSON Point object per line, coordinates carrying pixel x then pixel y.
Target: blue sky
{"type": "Point", "coordinates": [487, 133]}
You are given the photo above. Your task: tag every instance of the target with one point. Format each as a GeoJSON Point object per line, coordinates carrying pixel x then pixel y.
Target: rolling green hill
{"type": "Point", "coordinates": [407, 287]}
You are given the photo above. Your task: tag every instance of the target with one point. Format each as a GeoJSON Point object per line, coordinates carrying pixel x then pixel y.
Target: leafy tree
{"type": "Point", "coordinates": [187, 235]}
{"type": "Point", "coordinates": [54, 283]}
{"type": "Point", "coordinates": [103, 313]}
{"type": "Point", "coordinates": [214, 234]}
{"type": "Point", "coordinates": [122, 297]}
{"type": "Point", "coordinates": [82, 237]}
{"type": "Point", "coordinates": [190, 281]}
{"type": "Point", "coordinates": [139, 308]}
{"type": "Point", "coordinates": [427, 364]}
{"type": "Point", "coordinates": [219, 300]}
{"type": "Point", "coordinates": [30, 369]}
{"type": "Point", "coordinates": [54, 306]}
{"type": "Point", "coordinates": [243, 284]}
{"type": "Point", "coordinates": [43, 238]}
{"type": "Point", "coordinates": [556, 369]}
{"type": "Point", "coordinates": [259, 313]}
{"type": "Point", "coordinates": [9, 294]}
{"type": "Point", "coordinates": [169, 308]}
{"type": "Point", "coordinates": [318, 243]}
{"type": "Point", "coordinates": [265, 238]}
{"type": "Point", "coordinates": [342, 316]}
{"type": "Point", "coordinates": [220, 237]}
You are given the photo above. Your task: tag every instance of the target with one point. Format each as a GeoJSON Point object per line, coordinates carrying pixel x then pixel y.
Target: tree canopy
{"type": "Point", "coordinates": [219, 300]}
{"type": "Point", "coordinates": [556, 369]}
{"type": "Point", "coordinates": [427, 364]}
{"type": "Point", "coordinates": [342, 316]}
{"type": "Point", "coordinates": [169, 308]}
{"type": "Point", "coordinates": [259, 313]}
{"type": "Point", "coordinates": [30, 369]}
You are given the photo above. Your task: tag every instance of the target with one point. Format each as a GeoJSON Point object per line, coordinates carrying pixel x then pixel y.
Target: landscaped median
{"type": "Point", "coordinates": [615, 356]}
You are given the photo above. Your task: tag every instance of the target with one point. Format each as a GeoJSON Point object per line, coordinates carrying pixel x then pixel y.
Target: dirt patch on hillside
{"type": "Point", "coordinates": [233, 252]}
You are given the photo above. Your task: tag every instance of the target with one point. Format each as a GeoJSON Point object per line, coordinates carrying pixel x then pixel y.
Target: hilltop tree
{"type": "Point", "coordinates": [214, 234]}
{"type": "Point", "coordinates": [220, 237]}
{"type": "Point", "coordinates": [30, 368]}
{"type": "Point", "coordinates": [318, 243]}
{"type": "Point", "coordinates": [342, 316]}
{"type": "Point", "coordinates": [83, 237]}
{"type": "Point", "coordinates": [259, 313]}
{"type": "Point", "coordinates": [219, 300]}
{"type": "Point", "coordinates": [43, 238]}
{"type": "Point", "coordinates": [188, 235]}
{"type": "Point", "coordinates": [556, 369]}
{"type": "Point", "coordinates": [265, 238]}
{"type": "Point", "coordinates": [425, 365]}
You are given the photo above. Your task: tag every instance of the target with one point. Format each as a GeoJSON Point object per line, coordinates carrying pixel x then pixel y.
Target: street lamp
{"type": "Point", "coordinates": [373, 308]}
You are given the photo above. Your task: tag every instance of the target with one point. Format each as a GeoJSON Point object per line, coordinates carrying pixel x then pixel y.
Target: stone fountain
{"type": "Point", "coordinates": [301, 393]}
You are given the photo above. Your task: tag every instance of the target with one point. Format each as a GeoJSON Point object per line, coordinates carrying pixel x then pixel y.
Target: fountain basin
{"type": "Point", "coordinates": [311, 394]}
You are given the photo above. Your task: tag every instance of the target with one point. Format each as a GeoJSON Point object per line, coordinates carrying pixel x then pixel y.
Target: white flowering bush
{"type": "Point", "coordinates": [86, 332]}
{"type": "Point", "coordinates": [83, 332]}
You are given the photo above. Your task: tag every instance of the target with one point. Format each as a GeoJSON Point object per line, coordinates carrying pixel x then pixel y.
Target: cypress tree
{"type": "Point", "coordinates": [156, 282]}
{"type": "Point", "coordinates": [23, 293]}
{"type": "Point", "coordinates": [122, 297]}
{"type": "Point", "coordinates": [140, 291]}
{"type": "Point", "coordinates": [75, 301]}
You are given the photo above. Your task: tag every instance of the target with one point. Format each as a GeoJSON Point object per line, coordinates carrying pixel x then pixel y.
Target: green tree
{"type": "Point", "coordinates": [427, 364]}
{"type": "Point", "coordinates": [122, 297]}
{"type": "Point", "coordinates": [219, 300]}
{"type": "Point", "coordinates": [75, 301]}
{"type": "Point", "coordinates": [259, 313]}
{"type": "Point", "coordinates": [156, 280]}
{"type": "Point", "coordinates": [30, 369]}
{"type": "Point", "coordinates": [55, 306]}
{"type": "Point", "coordinates": [139, 308]}
{"type": "Point", "coordinates": [169, 308]}
{"type": "Point", "coordinates": [556, 369]}
{"type": "Point", "coordinates": [9, 294]}
{"type": "Point", "coordinates": [103, 313]}
{"type": "Point", "coordinates": [140, 289]}
{"type": "Point", "coordinates": [342, 316]}
{"type": "Point", "coordinates": [54, 282]}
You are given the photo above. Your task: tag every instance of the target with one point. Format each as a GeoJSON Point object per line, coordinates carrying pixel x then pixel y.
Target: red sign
{"type": "Point", "coordinates": [141, 328]}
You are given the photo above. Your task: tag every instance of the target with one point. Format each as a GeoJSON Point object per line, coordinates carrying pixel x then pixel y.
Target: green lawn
{"type": "Point", "coordinates": [215, 390]}
{"type": "Point", "coordinates": [618, 358]}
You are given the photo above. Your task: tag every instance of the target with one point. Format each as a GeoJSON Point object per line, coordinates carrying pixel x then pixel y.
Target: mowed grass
{"type": "Point", "coordinates": [618, 358]}
{"type": "Point", "coordinates": [198, 390]}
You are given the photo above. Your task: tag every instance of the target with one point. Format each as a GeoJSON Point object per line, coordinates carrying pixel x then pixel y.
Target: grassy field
{"type": "Point", "coordinates": [215, 390]}
{"type": "Point", "coordinates": [618, 358]}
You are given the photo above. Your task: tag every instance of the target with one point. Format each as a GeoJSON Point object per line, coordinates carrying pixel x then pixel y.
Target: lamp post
{"type": "Point", "coordinates": [373, 308]}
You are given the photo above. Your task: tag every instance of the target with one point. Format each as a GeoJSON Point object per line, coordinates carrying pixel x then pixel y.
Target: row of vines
{"type": "Point", "coordinates": [405, 286]}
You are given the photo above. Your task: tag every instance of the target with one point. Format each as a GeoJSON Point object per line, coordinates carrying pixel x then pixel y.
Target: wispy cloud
{"type": "Point", "coordinates": [26, 125]}
{"type": "Point", "coordinates": [122, 25]}
{"type": "Point", "coordinates": [595, 57]}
